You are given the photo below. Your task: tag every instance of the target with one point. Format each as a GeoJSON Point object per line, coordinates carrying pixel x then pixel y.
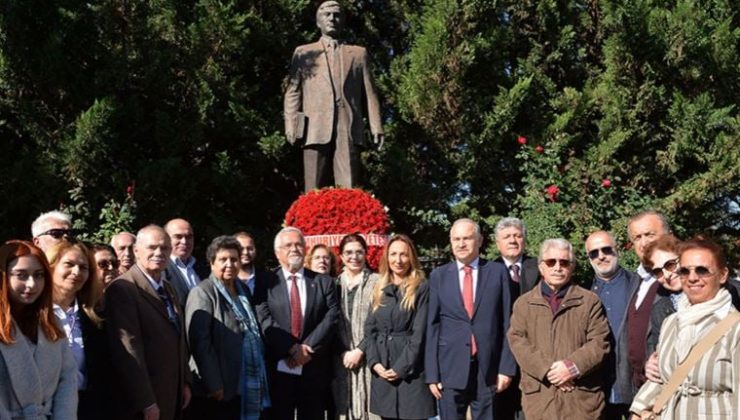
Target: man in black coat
{"type": "Point", "coordinates": [511, 236]}
{"type": "Point", "coordinates": [298, 319]}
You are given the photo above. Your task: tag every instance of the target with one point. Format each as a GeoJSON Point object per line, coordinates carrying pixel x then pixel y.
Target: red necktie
{"type": "Point", "coordinates": [468, 302]}
{"type": "Point", "coordinates": [296, 317]}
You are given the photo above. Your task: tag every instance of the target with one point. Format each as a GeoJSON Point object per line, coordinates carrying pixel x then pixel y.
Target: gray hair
{"type": "Point", "coordinates": [38, 225]}
{"type": "Point", "coordinates": [222, 242]}
{"type": "Point", "coordinates": [150, 228]}
{"type": "Point", "coordinates": [476, 226]}
{"type": "Point", "coordinates": [113, 238]}
{"type": "Point", "coordinates": [508, 222]}
{"type": "Point", "coordinates": [558, 243]}
{"type": "Point", "coordinates": [287, 230]}
{"type": "Point", "coordinates": [651, 212]}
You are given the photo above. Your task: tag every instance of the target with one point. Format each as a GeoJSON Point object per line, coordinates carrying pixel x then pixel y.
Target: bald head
{"type": "Point", "coordinates": [601, 249]}
{"type": "Point", "coordinates": [182, 238]}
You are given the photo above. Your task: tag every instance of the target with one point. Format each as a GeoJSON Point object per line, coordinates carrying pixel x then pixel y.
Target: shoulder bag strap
{"type": "Point", "coordinates": [682, 371]}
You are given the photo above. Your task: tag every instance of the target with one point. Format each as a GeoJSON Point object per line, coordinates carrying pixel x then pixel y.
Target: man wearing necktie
{"type": "Point", "coordinates": [511, 237]}
{"type": "Point", "coordinates": [145, 335]}
{"type": "Point", "coordinates": [467, 357]}
{"type": "Point", "coordinates": [329, 88]}
{"type": "Point", "coordinates": [298, 320]}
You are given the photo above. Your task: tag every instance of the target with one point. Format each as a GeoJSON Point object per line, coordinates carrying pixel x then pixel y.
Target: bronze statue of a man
{"type": "Point", "coordinates": [329, 89]}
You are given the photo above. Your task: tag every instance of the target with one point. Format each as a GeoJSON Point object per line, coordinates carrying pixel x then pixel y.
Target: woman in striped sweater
{"type": "Point", "coordinates": [711, 390]}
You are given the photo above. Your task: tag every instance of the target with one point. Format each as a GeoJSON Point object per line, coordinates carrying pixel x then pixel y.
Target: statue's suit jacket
{"type": "Point", "coordinates": [310, 91]}
{"type": "Point", "coordinates": [149, 356]}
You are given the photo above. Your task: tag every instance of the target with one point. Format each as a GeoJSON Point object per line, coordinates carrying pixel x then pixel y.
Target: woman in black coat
{"type": "Point", "coordinates": [395, 331]}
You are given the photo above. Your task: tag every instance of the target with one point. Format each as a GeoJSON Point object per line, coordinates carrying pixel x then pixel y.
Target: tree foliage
{"type": "Point", "coordinates": [184, 100]}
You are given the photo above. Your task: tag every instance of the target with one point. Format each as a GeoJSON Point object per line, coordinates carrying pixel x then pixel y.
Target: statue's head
{"type": "Point", "coordinates": [330, 18]}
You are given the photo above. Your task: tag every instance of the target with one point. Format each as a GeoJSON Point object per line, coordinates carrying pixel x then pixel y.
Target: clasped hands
{"type": "Point", "coordinates": [387, 374]}
{"type": "Point", "coordinates": [300, 354]}
{"type": "Point", "coordinates": [560, 376]}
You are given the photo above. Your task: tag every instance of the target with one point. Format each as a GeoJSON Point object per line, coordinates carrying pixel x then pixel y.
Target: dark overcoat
{"type": "Point", "coordinates": [396, 340]}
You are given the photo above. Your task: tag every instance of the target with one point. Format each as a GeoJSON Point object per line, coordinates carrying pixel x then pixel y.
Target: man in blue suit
{"type": "Point", "coordinates": [467, 357]}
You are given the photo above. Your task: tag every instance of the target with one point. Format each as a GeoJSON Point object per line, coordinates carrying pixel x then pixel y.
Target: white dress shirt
{"type": "Point", "coordinates": [647, 280]}
{"type": "Point", "coordinates": [461, 275]}
{"type": "Point", "coordinates": [186, 269]}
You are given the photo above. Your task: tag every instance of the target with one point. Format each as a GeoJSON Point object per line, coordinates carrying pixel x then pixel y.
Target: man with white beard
{"type": "Point", "coordinates": [298, 319]}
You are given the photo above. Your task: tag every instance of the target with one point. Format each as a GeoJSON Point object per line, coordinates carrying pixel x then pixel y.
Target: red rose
{"type": "Point", "coordinates": [130, 189]}
{"type": "Point", "coordinates": [552, 192]}
{"type": "Point", "coordinates": [521, 140]}
{"type": "Point", "coordinates": [539, 149]}
{"type": "Point", "coordinates": [606, 183]}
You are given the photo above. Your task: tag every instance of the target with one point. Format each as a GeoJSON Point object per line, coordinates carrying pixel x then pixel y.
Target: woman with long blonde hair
{"type": "Point", "coordinates": [394, 331]}
{"type": "Point", "coordinates": [76, 290]}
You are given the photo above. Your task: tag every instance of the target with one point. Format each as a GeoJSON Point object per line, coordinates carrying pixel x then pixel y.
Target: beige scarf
{"type": "Point", "coordinates": [694, 321]}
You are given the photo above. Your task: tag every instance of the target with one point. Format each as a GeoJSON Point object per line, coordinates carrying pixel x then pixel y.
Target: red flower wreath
{"type": "Point", "coordinates": [326, 215]}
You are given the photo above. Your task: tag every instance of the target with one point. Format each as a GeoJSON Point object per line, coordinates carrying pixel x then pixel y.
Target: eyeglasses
{"type": "Point", "coordinates": [59, 233]}
{"type": "Point", "coordinates": [552, 261]}
{"type": "Point", "coordinates": [669, 266]}
{"type": "Point", "coordinates": [353, 253]}
{"type": "Point", "coordinates": [594, 253]}
{"type": "Point", "coordinates": [701, 272]}
{"type": "Point", "coordinates": [108, 264]}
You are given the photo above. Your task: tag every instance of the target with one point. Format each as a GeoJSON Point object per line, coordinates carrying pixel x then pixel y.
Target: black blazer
{"type": "Point", "coordinates": [95, 399]}
{"type": "Point", "coordinates": [319, 322]}
{"type": "Point", "coordinates": [261, 280]}
{"type": "Point", "coordinates": [530, 276]}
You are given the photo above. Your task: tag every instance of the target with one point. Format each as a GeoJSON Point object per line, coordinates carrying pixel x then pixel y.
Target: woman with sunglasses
{"type": "Point", "coordinates": [712, 388]}
{"type": "Point", "coordinates": [106, 262]}
{"type": "Point", "coordinates": [662, 255]}
{"type": "Point", "coordinates": [38, 375]}
{"type": "Point", "coordinates": [76, 290]}
{"type": "Point", "coordinates": [559, 335]}
{"type": "Point", "coordinates": [320, 259]}
{"type": "Point", "coordinates": [395, 331]}
{"type": "Point", "coordinates": [351, 386]}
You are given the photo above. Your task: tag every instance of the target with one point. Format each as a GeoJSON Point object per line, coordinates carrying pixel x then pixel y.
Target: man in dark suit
{"type": "Point", "coordinates": [181, 269]}
{"type": "Point", "coordinates": [511, 237]}
{"type": "Point", "coordinates": [252, 277]}
{"type": "Point", "coordinates": [298, 319]}
{"type": "Point", "coordinates": [329, 86]}
{"type": "Point", "coordinates": [146, 335]}
{"type": "Point", "coordinates": [467, 358]}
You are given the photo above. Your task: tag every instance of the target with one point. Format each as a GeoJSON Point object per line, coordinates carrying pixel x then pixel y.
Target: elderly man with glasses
{"type": "Point", "coordinates": [613, 285]}
{"type": "Point", "coordinates": [560, 337]}
{"type": "Point", "coordinates": [50, 228]}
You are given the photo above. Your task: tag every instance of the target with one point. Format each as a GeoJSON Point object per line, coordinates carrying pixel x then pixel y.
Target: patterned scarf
{"type": "Point", "coordinates": [253, 379]}
{"type": "Point", "coordinates": [351, 333]}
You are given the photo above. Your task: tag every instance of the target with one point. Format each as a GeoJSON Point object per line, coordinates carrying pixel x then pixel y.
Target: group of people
{"type": "Point", "coordinates": [142, 329]}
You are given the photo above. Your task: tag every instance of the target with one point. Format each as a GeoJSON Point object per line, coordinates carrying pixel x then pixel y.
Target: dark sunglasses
{"type": "Point", "coordinates": [594, 253]}
{"type": "Point", "coordinates": [701, 271]}
{"type": "Point", "coordinates": [552, 261]}
{"type": "Point", "coordinates": [669, 266]}
{"type": "Point", "coordinates": [59, 233]}
{"type": "Point", "coordinates": [105, 264]}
